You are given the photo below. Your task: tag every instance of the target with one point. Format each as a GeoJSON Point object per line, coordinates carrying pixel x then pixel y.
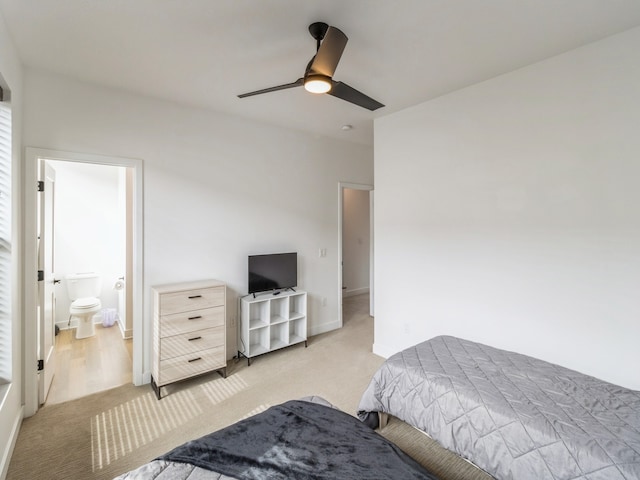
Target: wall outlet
{"type": "Point", "coordinates": [322, 252]}
{"type": "Point", "coordinates": [324, 301]}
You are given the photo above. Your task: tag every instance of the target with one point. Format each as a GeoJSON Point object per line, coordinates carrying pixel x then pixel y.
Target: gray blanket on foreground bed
{"type": "Point", "coordinates": [295, 440]}
{"type": "Point", "coordinates": [514, 416]}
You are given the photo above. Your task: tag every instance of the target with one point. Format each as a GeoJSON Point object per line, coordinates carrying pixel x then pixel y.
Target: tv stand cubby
{"type": "Point", "coordinates": [271, 321]}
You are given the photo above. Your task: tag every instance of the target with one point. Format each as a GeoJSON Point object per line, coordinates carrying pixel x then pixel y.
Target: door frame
{"type": "Point", "coordinates": [30, 339]}
{"type": "Point", "coordinates": [354, 186]}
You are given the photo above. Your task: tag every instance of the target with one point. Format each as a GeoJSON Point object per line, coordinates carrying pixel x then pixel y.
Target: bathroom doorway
{"type": "Point", "coordinates": [89, 235]}
{"type": "Point", "coordinates": [34, 326]}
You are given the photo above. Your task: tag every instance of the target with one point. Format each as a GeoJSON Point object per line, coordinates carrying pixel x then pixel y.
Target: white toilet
{"type": "Point", "coordinates": [83, 290]}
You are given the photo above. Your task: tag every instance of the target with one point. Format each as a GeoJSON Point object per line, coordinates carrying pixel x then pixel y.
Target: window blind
{"type": "Point", "coordinates": [5, 243]}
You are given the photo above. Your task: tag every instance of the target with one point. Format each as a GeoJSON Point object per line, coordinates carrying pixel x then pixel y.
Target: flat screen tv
{"type": "Point", "coordinates": [275, 271]}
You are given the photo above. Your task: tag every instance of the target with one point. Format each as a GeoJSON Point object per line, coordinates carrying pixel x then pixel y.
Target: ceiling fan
{"type": "Point", "coordinates": [330, 43]}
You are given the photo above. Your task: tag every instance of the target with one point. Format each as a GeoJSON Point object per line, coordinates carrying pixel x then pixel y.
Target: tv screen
{"type": "Point", "coordinates": [272, 272]}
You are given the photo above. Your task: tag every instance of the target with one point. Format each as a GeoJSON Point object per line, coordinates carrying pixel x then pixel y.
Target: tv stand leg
{"type": "Point", "coordinates": [248, 358]}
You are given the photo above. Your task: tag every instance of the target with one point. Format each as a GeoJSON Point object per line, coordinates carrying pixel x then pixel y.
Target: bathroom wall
{"type": "Point", "coordinates": [89, 229]}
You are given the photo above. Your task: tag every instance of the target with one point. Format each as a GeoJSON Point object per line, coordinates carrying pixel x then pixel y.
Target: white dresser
{"type": "Point", "coordinates": [189, 331]}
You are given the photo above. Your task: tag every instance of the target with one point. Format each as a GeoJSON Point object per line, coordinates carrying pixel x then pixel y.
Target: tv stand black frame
{"type": "Point", "coordinates": [275, 291]}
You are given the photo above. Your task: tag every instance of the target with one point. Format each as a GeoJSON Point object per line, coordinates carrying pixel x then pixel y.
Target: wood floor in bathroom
{"type": "Point", "coordinates": [89, 365]}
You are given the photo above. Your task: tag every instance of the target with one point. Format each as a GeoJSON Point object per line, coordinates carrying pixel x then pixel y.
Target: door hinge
{"type": "Point", "coordinates": [40, 365]}
{"type": "Point", "coordinates": [40, 275]}
{"type": "Point", "coordinates": [40, 186]}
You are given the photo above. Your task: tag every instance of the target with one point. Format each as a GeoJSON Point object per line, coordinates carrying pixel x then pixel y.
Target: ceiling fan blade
{"type": "Point", "coordinates": [329, 53]}
{"type": "Point", "coordinates": [297, 83]}
{"type": "Point", "coordinates": [350, 94]}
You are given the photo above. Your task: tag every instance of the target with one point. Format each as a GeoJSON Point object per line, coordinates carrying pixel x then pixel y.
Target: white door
{"type": "Point", "coordinates": [46, 290]}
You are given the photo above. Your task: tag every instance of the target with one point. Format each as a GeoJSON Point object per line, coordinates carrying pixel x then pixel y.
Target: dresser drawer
{"type": "Point", "coordinates": [188, 300]}
{"type": "Point", "coordinates": [191, 342]}
{"type": "Point", "coordinates": [185, 366]}
{"type": "Point", "coordinates": [191, 321]}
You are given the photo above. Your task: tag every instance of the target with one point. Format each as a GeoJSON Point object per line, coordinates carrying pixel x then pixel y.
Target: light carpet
{"type": "Point", "coordinates": [105, 434]}
{"type": "Point", "coordinates": [108, 433]}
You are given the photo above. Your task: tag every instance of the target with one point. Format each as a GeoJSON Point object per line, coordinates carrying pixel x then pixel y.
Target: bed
{"type": "Point", "coordinates": [299, 439]}
{"type": "Point", "coordinates": [514, 416]}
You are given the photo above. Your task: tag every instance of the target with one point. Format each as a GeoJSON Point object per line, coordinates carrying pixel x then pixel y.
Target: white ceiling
{"type": "Point", "coordinates": [205, 52]}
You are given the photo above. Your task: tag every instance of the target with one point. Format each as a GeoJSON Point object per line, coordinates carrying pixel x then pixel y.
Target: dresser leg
{"type": "Point", "coordinates": [156, 389]}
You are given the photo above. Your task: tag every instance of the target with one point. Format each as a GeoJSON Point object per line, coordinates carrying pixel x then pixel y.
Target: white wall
{"type": "Point", "coordinates": [509, 213]}
{"type": "Point", "coordinates": [89, 231]}
{"type": "Point", "coordinates": [11, 78]}
{"type": "Point", "coordinates": [355, 241]}
{"type": "Point", "coordinates": [216, 188]}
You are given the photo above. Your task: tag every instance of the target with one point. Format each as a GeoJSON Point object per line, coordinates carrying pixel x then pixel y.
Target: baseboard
{"type": "Point", "coordinates": [13, 438]}
{"type": "Point", "coordinates": [382, 350]}
{"type": "Point", "coordinates": [97, 319]}
{"type": "Point", "coordinates": [146, 378]}
{"type": "Point", "coordinates": [126, 334]}
{"type": "Point", "coordinates": [355, 291]}
{"type": "Point", "coordinates": [324, 328]}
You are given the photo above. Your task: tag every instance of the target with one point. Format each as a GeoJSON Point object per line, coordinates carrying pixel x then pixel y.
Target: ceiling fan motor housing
{"type": "Point", "coordinates": [318, 31]}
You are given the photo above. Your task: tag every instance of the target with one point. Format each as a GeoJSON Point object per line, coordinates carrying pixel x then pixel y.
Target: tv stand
{"type": "Point", "coordinates": [271, 322]}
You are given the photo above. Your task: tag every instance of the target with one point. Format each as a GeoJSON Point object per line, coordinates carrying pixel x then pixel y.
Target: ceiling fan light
{"type": "Point", "coordinates": [317, 84]}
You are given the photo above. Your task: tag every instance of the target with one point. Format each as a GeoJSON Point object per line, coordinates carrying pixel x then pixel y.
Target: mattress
{"type": "Point", "coordinates": [514, 416]}
{"type": "Point", "coordinates": [166, 470]}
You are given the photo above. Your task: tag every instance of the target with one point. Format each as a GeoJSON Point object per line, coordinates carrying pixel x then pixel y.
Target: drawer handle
{"type": "Point", "coordinates": [191, 297]}
{"type": "Point", "coordinates": [195, 318]}
{"type": "Point", "coordinates": [194, 338]}
{"type": "Point", "coordinates": [195, 359]}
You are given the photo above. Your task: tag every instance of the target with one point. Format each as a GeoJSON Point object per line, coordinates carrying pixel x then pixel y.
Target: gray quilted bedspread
{"type": "Point", "coordinates": [514, 416]}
